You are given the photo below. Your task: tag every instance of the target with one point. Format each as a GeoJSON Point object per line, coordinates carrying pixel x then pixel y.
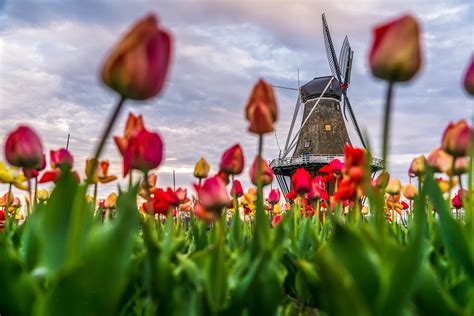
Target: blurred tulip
{"type": "Point", "coordinates": [274, 196]}
{"type": "Point", "coordinates": [301, 181]}
{"type": "Point", "coordinates": [237, 188]}
{"type": "Point", "coordinates": [417, 166]}
{"type": "Point", "coordinates": [34, 173]}
{"type": "Point", "coordinates": [13, 176]}
{"type": "Point", "coordinates": [444, 185]}
{"type": "Point", "coordinates": [267, 173]}
{"type": "Point", "coordinates": [182, 195]}
{"type": "Point", "coordinates": [409, 191]}
{"type": "Point", "coordinates": [201, 213]}
{"type": "Point", "coordinates": [50, 176]}
{"type": "Point", "coordinates": [23, 148]}
{"type": "Point", "coordinates": [144, 152]}
{"type": "Point", "coordinates": [291, 195]}
{"type": "Point", "coordinates": [404, 205]}
{"type": "Point", "coordinates": [9, 196]}
{"type": "Point", "coordinates": [456, 202]}
{"type": "Point", "coordinates": [317, 189]}
{"type": "Point", "coordinates": [396, 54]}
{"type": "Point", "coordinates": [133, 126]}
{"type": "Point", "coordinates": [213, 194]}
{"type": "Point", "coordinates": [393, 187]}
{"type": "Point", "coordinates": [336, 166]}
{"type": "Point", "coordinates": [439, 160]}
{"type": "Point", "coordinates": [276, 220]}
{"type": "Point", "coordinates": [382, 180]}
{"type": "Point", "coordinates": [201, 169]}
{"type": "Point", "coordinates": [138, 65]}
{"type": "Point", "coordinates": [469, 77]}
{"type": "Point", "coordinates": [61, 158]}
{"type": "Point", "coordinates": [346, 190]}
{"type": "Point", "coordinates": [111, 201]}
{"type": "Point", "coordinates": [456, 138]}
{"type": "Point", "coordinates": [261, 110]}
{"type": "Point", "coordinates": [461, 166]}
{"type": "Point", "coordinates": [232, 161]}
{"type": "Point", "coordinates": [104, 176]}
{"type": "Point", "coordinates": [42, 195]}
{"type": "Point", "coordinates": [224, 176]}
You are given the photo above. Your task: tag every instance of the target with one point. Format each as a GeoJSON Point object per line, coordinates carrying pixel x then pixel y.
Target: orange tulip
{"type": "Point", "coordinates": [133, 126]}
{"type": "Point", "coordinates": [138, 65]}
{"type": "Point", "coordinates": [395, 54]}
{"type": "Point", "coordinates": [261, 110]}
{"type": "Point", "coordinates": [440, 160]}
{"type": "Point", "coordinates": [409, 191]}
{"type": "Point", "coordinates": [456, 138]}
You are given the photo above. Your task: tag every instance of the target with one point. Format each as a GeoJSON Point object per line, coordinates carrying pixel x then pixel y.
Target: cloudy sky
{"type": "Point", "coordinates": [51, 52]}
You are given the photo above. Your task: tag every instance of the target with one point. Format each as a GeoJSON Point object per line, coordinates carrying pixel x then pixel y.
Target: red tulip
{"type": "Point", "coordinates": [345, 191]}
{"type": "Point", "coordinates": [456, 138]}
{"type": "Point", "coordinates": [60, 158]}
{"type": "Point", "coordinates": [353, 157]}
{"type": "Point", "coordinates": [267, 173]}
{"type": "Point", "coordinates": [144, 152]}
{"type": "Point", "coordinates": [336, 166]}
{"type": "Point", "coordinates": [138, 65]}
{"type": "Point", "coordinates": [261, 109]}
{"type": "Point", "coordinates": [237, 188]}
{"type": "Point", "coordinates": [469, 77]}
{"type": "Point", "coordinates": [133, 126]}
{"type": "Point", "coordinates": [276, 220]}
{"type": "Point", "coordinates": [23, 148]}
{"type": "Point", "coordinates": [224, 176]}
{"type": "Point", "coordinates": [395, 54]}
{"type": "Point", "coordinates": [318, 187]}
{"type": "Point", "coordinates": [456, 202]}
{"type": "Point", "coordinates": [232, 161]}
{"type": "Point", "coordinates": [301, 180]}
{"type": "Point", "coordinates": [291, 195]}
{"type": "Point", "coordinates": [50, 176]}
{"type": "Point", "coordinates": [274, 196]}
{"type": "Point", "coordinates": [213, 194]}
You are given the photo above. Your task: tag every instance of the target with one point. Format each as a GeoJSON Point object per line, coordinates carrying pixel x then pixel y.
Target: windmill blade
{"type": "Point", "coordinates": [353, 119]}
{"type": "Point", "coordinates": [344, 56]}
{"type": "Point", "coordinates": [330, 51]}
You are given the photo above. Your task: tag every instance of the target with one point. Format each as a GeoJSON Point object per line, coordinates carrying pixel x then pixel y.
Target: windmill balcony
{"type": "Point", "coordinates": [311, 159]}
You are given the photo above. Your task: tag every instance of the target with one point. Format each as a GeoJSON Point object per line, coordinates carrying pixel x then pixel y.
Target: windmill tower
{"type": "Point", "coordinates": [323, 131]}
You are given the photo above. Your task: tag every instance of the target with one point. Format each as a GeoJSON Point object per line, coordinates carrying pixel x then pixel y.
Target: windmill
{"type": "Point", "coordinates": [326, 107]}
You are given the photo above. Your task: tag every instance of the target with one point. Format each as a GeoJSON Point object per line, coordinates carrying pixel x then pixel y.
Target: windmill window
{"type": "Point", "coordinates": [307, 144]}
{"type": "Point", "coordinates": [327, 127]}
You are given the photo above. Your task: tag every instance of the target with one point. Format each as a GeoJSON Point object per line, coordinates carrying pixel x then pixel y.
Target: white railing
{"type": "Point", "coordinates": [312, 159]}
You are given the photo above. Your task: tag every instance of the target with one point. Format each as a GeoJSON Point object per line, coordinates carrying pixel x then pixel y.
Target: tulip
{"type": "Point", "coordinates": [42, 195]}
{"type": "Point", "coordinates": [353, 157]}
{"type": "Point", "coordinates": [291, 195]}
{"type": "Point", "coordinates": [261, 110]}
{"type": "Point", "coordinates": [346, 190]}
{"type": "Point", "coordinates": [50, 176]}
{"type": "Point", "coordinates": [393, 187]}
{"type": "Point", "coordinates": [23, 148]}
{"type": "Point", "coordinates": [12, 176]}
{"type": "Point", "coordinates": [133, 126]}
{"type": "Point", "coordinates": [201, 169]}
{"type": "Point", "coordinates": [203, 214]}
{"type": "Point", "coordinates": [317, 188]}
{"type": "Point", "coordinates": [382, 180]}
{"type": "Point", "coordinates": [61, 158]}
{"type": "Point", "coordinates": [404, 205]}
{"type": "Point", "coordinates": [336, 166]}
{"type": "Point", "coordinates": [469, 77]}
{"type": "Point", "coordinates": [301, 181]}
{"type": "Point", "coordinates": [138, 65]}
{"type": "Point", "coordinates": [274, 196]}
{"type": "Point", "coordinates": [456, 138]}
{"type": "Point", "coordinates": [461, 166]}
{"type": "Point", "coordinates": [439, 160]}
{"type": "Point", "coordinates": [417, 166]}
{"type": "Point", "coordinates": [224, 176]}
{"type": "Point", "coordinates": [266, 175]}
{"type": "Point", "coordinates": [144, 152]}
{"type": "Point", "coordinates": [456, 202]}
{"type": "Point", "coordinates": [409, 191]}
{"type": "Point", "coordinates": [237, 189]}
{"type": "Point", "coordinates": [213, 194]}
{"type": "Point", "coordinates": [395, 54]}
{"type": "Point", "coordinates": [446, 185]}
{"type": "Point", "coordinates": [111, 201]}
{"type": "Point", "coordinates": [276, 220]}
{"type": "Point", "coordinates": [182, 195]}
{"type": "Point", "coordinates": [232, 161]}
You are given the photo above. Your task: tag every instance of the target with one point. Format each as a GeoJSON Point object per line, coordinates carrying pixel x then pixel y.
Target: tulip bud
{"type": "Point", "coordinates": [446, 185]}
{"type": "Point", "coordinates": [300, 181]}
{"type": "Point", "coordinates": [232, 161]}
{"type": "Point", "coordinates": [144, 152]}
{"type": "Point", "coordinates": [439, 160]}
{"type": "Point", "coordinates": [42, 195]}
{"type": "Point", "coordinates": [237, 188]}
{"type": "Point", "coordinates": [138, 65]}
{"type": "Point", "coordinates": [61, 158]}
{"type": "Point", "coordinates": [201, 169]}
{"type": "Point", "coordinates": [409, 191]}
{"type": "Point", "coordinates": [182, 195]}
{"type": "Point", "coordinates": [213, 194]}
{"type": "Point", "coordinates": [393, 187]}
{"type": "Point", "coordinates": [456, 138]}
{"type": "Point", "coordinates": [461, 166]}
{"type": "Point", "coordinates": [261, 110]}
{"type": "Point", "coordinates": [317, 189]}
{"type": "Point", "coordinates": [417, 167]}
{"type": "Point", "coordinates": [469, 77]}
{"type": "Point", "coordinates": [267, 173]}
{"type": "Point", "coordinates": [276, 220]}
{"type": "Point", "coordinates": [395, 54]}
{"type": "Point", "coordinates": [382, 180]}
{"type": "Point", "coordinates": [274, 196]}
{"type": "Point", "coordinates": [23, 148]}
{"type": "Point", "coordinates": [133, 126]}
{"type": "Point", "coordinates": [111, 200]}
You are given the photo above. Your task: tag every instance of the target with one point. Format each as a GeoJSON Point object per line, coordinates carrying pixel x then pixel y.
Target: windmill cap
{"type": "Point", "coordinates": [315, 88]}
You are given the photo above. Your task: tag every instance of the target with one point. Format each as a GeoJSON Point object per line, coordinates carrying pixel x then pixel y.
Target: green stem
{"type": "Point", "coordinates": [29, 196]}
{"type": "Point", "coordinates": [234, 195]}
{"type": "Point", "coordinates": [7, 207]}
{"type": "Point", "coordinates": [130, 179]}
{"type": "Point", "coordinates": [94, 200]}
{"type": "Point", "coordinates": [451, 181]}
{"type": "Point", "coordinates": [386, 125]}
{"type": "Point", "coordinates": [36, 192]}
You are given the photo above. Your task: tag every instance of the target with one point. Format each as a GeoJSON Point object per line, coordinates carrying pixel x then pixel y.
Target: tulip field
{"type": "Point", "coordinates": [341, 242]}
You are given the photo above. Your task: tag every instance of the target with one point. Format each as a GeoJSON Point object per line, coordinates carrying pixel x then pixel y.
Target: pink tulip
{"type": "Point", "coordinates": [237, 188]}
{"type": "Point", "coordinates": [317, 189]}
{"type": "Point", "coordinates": [213, 194]}
{"type": "Point", "coordinates": [23, 148]}
{"type": "Point", "coordinates": [232, 161]}
{"type": "Point", "coordinates": [274, 196]}
{"type": "Point", "coordinates": [440, 160]}
{"type": "Point", "coordinates": [267, 173]}
{"type": "Point", "coordinates": [60, 158]}
{"type": "Point", "coordinates": [469, 77]}
{"type": "Point", "coordinates": [144, 152]}
{"type": "Point", "coordinates": [456, 138]}
{"type": "Point", "coordinates": [276, 220]}
{"type": "Point", "coordinates": [301, 181]}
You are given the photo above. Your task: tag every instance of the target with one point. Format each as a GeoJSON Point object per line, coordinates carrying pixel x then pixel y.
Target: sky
{"type": "Point", "coordinates": [51, 53]}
